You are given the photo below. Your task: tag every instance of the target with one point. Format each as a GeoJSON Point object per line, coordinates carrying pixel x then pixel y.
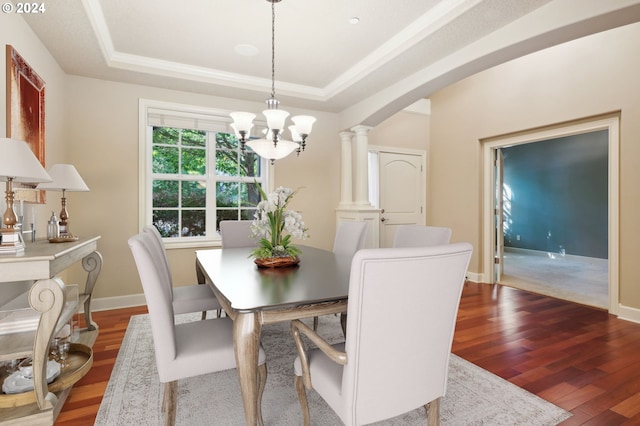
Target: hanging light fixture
{"type": "Point", "coordinates": [273, 146]}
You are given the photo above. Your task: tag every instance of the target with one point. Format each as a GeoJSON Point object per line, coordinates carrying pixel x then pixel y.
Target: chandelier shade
{"type": "Point", "coordinates": [266, 149]}
{"type": "Point", "coordinates": [275, 118]}
{"type": "Point", "coordinates": [242, 121]}
{"type": "Point", "coordinates": [274, 146]}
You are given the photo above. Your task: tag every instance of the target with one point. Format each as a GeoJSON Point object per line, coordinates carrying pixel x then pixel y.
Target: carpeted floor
{"type": "Point", "coordinates": [134, 395]}
{"type": "Point", "coordinates": [578, 279]}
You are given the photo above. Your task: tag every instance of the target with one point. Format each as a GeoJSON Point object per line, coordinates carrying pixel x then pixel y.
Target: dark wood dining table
{"type": "Point", "coordinates": [252, 296]}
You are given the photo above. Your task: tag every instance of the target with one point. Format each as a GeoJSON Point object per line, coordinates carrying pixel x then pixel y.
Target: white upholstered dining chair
{"type": "Point", "coordinates": [237, 233]}
{"type": "Point", "coordinates": [421, 236]}
{"type": "Point", "coordinates": [182, 350]}
{"type": "Point", "coordinates": [351, 236]}
{"type": "Point", "coordinates": [188, 298]}
{"type": "Point", "coordinates": [388, 367]}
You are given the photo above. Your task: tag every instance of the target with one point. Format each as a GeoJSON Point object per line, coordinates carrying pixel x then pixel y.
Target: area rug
{"type": "Point", "coordinates": [134, 395]}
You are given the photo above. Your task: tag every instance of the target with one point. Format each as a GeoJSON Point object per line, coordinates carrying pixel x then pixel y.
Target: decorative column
{"type": "Point", "coordinates": [346, 178]}
{"type": "Point", "coordinates": [362, 166]}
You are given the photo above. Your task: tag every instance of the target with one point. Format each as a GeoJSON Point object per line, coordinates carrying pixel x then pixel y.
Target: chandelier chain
{"type": "Point", "coordinates": [273, 49]}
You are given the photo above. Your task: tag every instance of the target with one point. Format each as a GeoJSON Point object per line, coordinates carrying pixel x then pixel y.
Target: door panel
{"type": "Point", "coordinates": [401, 193]}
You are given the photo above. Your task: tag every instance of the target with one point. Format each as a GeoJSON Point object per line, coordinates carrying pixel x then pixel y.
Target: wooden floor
{"type": "Point", "coordinates": [581, 359]}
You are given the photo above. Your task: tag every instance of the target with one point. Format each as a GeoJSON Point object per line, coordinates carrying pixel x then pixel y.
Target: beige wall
{"type": "Point", "coordinates": [591, 76]}
{"type": "Point", "coordinates": [408, 130]}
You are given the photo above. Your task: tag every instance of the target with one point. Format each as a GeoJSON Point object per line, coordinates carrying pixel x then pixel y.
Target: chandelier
{"type": "Point", "coordinates": [273, 146]}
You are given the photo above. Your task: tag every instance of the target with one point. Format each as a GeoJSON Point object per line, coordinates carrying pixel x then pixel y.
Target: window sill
{"type": "Point", "coordinates": [173, 245]}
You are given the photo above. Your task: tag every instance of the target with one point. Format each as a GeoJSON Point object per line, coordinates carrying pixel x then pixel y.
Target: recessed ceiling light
{"type": "Point", "coordinates": [246, 50]}
{"type": "Point", "coordinates": [354, 20]}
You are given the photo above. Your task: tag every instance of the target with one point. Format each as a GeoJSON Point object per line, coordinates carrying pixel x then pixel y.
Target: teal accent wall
{"type": "Point", "coordinates": [556, 195]}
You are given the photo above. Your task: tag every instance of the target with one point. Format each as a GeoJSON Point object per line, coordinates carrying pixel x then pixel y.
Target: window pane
{"type": "Point", "coordinates": [165, 193]}
{"type": "Point", "coordinates": [226, 163]}
{"type": "Point", "coordinates": [194, 161]}
{"type": "Point", "coordinates": [247, 214]}
{"type": "Point", "coordinates": [227, 194]}
{"type": "Point", "coordinates": [194, 138]}
{"type": "Point", "coordinates": [225, 215]}
{"type": "Point", "coordinates": [165, 159]}
{"type": "Point", "coordinates": [249, 164]}
{"type": "Point", "coordinates": [194, 194]}
{"type": "Point", "coordinates": [249, 195]}
{"type": "Point", "coordinates": [226, 141]}
{"type": "Point", "coordinates": [167, 222]}
{"type": "Point", "coordinates": [193, 223]}
{"type": "Point", "coordinates": [166, 135]}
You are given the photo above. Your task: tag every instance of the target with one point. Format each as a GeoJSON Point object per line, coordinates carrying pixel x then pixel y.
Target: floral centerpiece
{"type": "Point", "coordinates": [274, 225]}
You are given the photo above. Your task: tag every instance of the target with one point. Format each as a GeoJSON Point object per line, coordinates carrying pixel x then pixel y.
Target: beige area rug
{"type": "Point", "coordinates": [134, 395]}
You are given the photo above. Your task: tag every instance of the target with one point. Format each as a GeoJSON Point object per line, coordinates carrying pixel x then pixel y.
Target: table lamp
{"type": "Point", "coordinates": [17, 164]}
{"type": "Point", "coordinates": [65, 178]}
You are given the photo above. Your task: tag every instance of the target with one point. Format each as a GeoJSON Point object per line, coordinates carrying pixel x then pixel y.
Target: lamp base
{"type": "Point", "coordinates": [12, 242]}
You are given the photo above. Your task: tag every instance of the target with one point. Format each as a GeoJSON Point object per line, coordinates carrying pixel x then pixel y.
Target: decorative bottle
{"type": "Point", "coordinates": [53, 229]}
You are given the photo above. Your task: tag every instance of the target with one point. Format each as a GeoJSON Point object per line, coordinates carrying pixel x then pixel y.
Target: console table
{"type": "Point", "coordinates": [41, 262]}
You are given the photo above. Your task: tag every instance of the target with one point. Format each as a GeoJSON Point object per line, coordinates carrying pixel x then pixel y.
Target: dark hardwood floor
{"type": "Point", "coordinates": [580, 358]}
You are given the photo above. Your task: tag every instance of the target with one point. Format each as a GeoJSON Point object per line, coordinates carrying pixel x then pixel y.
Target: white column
{"type": "Point", "coordinates": [362, 166]}
{"type": "Point", "coordinates": [346, 177]}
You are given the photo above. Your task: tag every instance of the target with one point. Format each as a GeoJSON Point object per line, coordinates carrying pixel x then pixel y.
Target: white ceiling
{"type": "Point", "coordinates": [322, 61]}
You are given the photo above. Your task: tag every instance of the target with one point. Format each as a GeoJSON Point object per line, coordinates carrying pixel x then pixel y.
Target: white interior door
{"type": "Point", "coordinates": [402, 192]}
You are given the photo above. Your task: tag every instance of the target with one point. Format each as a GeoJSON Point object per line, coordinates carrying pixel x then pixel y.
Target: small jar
{"type": "Point", "coordinates": [53, 229]}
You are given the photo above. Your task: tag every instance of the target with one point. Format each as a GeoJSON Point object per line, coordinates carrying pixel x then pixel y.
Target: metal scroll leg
{"type": "Point", "coordinates": [92, 263]}
{"type": "Point", "coordinates": [48, 298]}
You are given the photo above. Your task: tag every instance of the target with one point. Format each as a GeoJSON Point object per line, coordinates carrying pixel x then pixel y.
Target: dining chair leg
{"type": "Point", "coordinates": [315, 323]}
{"type": "Point", "coordinates": [169, 402]}
{"type": "Point", "coordinates": [433, 412]}
{"type": "Point", "coordinates": [343, 323]}
{"type": "Point", "coordinates": [302, 397]}
{"type": "Point", "coordinates": [262, 382]}
{"type": "Point", "coordinates": [201, 280]}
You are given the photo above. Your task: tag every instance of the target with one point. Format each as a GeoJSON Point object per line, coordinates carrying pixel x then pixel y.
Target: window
{"type": "Point", "coordinates": [195, 173]}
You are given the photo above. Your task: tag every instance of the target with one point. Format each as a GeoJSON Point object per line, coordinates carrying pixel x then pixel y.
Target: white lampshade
{"type": "Point", "coordinates": [19, 163]}
{"type": "Point", "coordinates": [275, 118]}
{"type": "Point", "coordinates": [303, 123]}
{"type": "Point", "coordinates": [242, 121]}
{"type": "Point", "coordinates": [65, 177]}
{"type": "Point", "coordinates": [295, 136]}
{"type": "Point", "coordinates": [265, 148]}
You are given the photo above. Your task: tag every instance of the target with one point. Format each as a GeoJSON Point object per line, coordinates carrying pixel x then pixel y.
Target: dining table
{"type": "Point", "coordinates": [253, 296]}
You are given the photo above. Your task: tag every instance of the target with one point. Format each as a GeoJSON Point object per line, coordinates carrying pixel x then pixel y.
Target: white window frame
{"type": "Point", "coordinates": [182, 116]}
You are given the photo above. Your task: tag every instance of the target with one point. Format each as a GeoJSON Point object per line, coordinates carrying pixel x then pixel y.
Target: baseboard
{"type": "Point", "coordinates": [628, 313]}
{"type": "Point", "coordinates": [475, 277]}
{"type": "Point", "coordinates": [117, 302]}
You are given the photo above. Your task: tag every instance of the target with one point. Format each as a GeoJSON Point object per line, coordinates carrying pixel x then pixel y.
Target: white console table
{"type": "Point", "coordinates": [41, 262]}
